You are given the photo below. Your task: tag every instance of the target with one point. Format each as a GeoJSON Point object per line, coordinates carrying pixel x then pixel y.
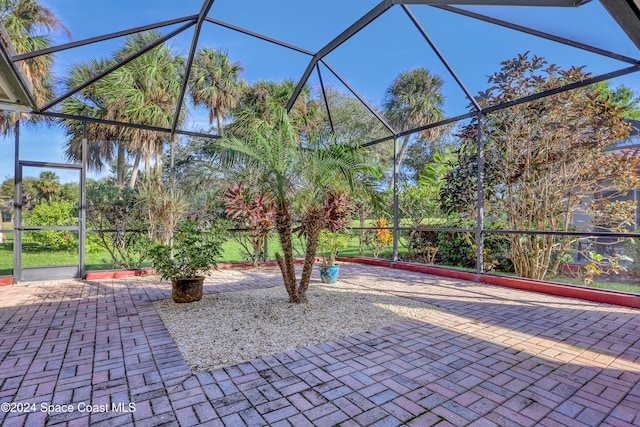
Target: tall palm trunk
{"type": "Point", "coordinates": [219, 120]}
{"type": "Point", "coordinates": [283, 226]}
{"type": "Point", "coordinates": [147, 163]}
{"type": "Point", "coordinates": [399, 159]}
{"type": "Point", "coordinates": [158, 156]}
{"type": "Point", "coordinates": [134, 171]}
{"type": "Point", "coordinates": [120, 165]}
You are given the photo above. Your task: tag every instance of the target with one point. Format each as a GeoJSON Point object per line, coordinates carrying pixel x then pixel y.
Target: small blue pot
{"type": "Point", "coordinates": [329, 274]}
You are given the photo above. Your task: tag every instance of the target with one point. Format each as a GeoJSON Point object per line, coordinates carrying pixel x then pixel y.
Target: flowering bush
{"type": "Point", "coordinates": [380, 239]}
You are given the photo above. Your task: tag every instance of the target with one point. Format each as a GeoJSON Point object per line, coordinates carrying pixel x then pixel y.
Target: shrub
{"type": "Point", "coordinates": [60, 213]}
{"type": "Point", "coordinates": [378, 240]}
{"type": "Point", "coordinates": [195, 251]}
{"type": "Point", "coordinates": [456, 249]}
{"type": "Point", "coordinates": [118, 219]}
{"type": "Point", "coordinates": [423, 244]}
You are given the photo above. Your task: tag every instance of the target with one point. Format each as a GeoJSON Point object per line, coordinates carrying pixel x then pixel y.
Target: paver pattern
{"type": "Point", "coordinates": [492, 356]}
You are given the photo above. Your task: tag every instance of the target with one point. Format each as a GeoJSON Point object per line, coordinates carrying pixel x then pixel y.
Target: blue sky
{"type": "Point", "coordinates": [369, 61]}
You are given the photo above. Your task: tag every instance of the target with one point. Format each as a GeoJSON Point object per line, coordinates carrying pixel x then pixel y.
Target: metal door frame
{"type": "Point", "coordinates": [55, 272]}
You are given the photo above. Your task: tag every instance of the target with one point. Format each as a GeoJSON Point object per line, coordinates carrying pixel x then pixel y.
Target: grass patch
{"type": "Point", "coordinates": [35, 255]}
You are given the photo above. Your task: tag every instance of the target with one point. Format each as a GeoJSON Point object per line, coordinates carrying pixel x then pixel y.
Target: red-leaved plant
{"type": "Point", "coordinates": [252, 212]}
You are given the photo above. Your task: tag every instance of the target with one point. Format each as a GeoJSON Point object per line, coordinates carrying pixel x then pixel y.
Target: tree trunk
{"type": "Point", "coordinates": [400, 159]}
{"type": "Point", "coordinates": [313, 225]}
{"type": "Point", "coordinates": [283, 226]}
{"type": "Point", "coordinates": [134, 171]}
{"type": "Point", "coordinates": [147, 164]}
{"type": "Point", "coordinates": [120, 165]}
{"type": "Point", "coordinates": [158, 156]}
{"type": "Point", "coordinates": [219, 120]}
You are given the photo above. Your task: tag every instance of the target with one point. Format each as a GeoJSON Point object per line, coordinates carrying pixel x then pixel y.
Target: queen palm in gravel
{"type": "Point", "coordinates": [414, 99]}
{"type": "Point", "coordinates": [300, 180]}
{"type": "Point", "coordinates": [215, 83]}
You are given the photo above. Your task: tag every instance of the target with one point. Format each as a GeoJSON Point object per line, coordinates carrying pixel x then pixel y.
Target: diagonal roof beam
{"type": "Point", "coordinates": [104, 37]}
{"type": "Point", "coordinates": [627, 14]}
{"type": "Point", "coordinates": [206, 7]}
{"type": "Point", "coordinates": [546, 3]}
{"type": "Point", "coordinates": [422, 128]}
{"type": "Point", "coordinates": [258, 36]}
{"type": "Point", "coordinates": [571, 86]}
{"type": "Point", "coordinates": [125, 124]}
{"type": "Point", "coordinates": [540, 34]}
{"type": "Point", "coordinates": [360, 98]}
{"type": "Point", "coordinates": [441, 57]}
{"type": "Point", "coordinates": [501, 106]}
{"type": "Point", "coordinates": [324, 96]}
{"type": "Point", "coordinates": [116, 66]}
{"type": "Point", "coordinates": [369, 17]}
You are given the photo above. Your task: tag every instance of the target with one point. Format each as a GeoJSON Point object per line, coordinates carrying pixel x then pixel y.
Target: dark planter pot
{"type": "Point", "coordinates": [187, 289]}
{"type": "Point", "coordinates": [329, 274]}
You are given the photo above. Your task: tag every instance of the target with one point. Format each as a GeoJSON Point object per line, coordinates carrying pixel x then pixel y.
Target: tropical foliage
{"type": "Point", "coordinates": [380, 238]}
{"type": "Point", "coordinates": [215, 84]}
{"type": "Point", "coordinates": [544, 160]}
{"type": "Point", "coordinates": [29, 25]}
{"type": "Point", "coordinates": [412, 100]}
{"type": "Point", "coordinates": [117, 220]}
{"type": "Point", "coordinates": [329, 244]}
{"type": "Point", "coordinates": [60, 213]}
{"type": "Point", "coordinates": [300, 180]}
{"type": "Point", "coordinates": [145, 91]}
{"type": "Point", "coordinates": [252, 212]}
{"type": "Point", "coordinates": [194, 251]}
{"type": "Point", "coordinates": [302, 174]}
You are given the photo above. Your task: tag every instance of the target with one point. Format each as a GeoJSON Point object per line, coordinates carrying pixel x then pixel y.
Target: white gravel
{"type": "Point", "coordinates": [229, 328]}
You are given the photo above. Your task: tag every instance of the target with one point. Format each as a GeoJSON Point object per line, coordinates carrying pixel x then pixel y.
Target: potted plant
{"type": "Point", "coordinates": [329, 243]}
{"type": "Point", "coordinates": [192, 255]}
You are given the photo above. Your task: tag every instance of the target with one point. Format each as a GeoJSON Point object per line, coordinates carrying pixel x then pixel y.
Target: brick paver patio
{"type": "Point", "coordinates": [492, 356]}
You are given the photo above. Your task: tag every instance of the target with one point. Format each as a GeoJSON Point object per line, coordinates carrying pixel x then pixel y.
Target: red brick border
{"type": "Point", "coordinates": [571, 291]}
{"type": "Point", "coordinates": [115, 274]}
{"type": "Point", "coordinates": [6, 280]}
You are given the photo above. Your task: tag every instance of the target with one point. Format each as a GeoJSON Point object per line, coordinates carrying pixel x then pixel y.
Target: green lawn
{"type": "Point", "coordinates": [35, 255]}
{"type": "Point", "coordinates": [612, 286]}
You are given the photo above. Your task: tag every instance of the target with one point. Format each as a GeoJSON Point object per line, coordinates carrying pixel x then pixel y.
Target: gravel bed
{"type": "Point", "coordinates": [228, 328]}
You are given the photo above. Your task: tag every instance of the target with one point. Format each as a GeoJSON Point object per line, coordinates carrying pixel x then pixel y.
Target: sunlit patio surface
{"type": "Point", "coordinates": [75, 353]}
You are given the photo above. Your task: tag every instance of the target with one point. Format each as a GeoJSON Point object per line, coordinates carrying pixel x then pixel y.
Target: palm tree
{"type": "Point", "coordinates": [93, 101]}
{"type": "Point", "coordinates": [28, 24]}
{"type": "Point", "coordinates": [258, 99]}
{"type": "Point", "coordinates": [144, 91]}
{"type": "Point", "coordinates": [414, 99]}
{"type": "Point", "coordinates": [296, 178]}
{"type": "Point", "coordinates": [48, 185]}
{"type": "Point", "coordinates": [215, 83]}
